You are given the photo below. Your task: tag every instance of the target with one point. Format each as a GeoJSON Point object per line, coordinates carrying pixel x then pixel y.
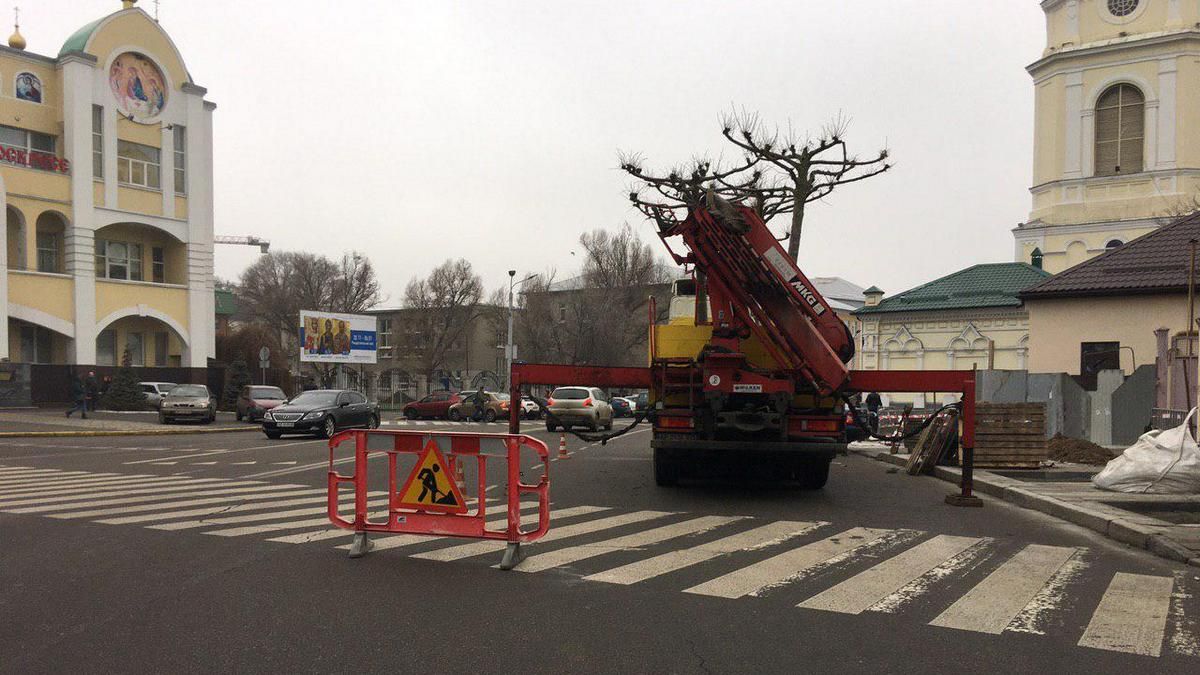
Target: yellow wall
{"type": "Point", "coordinates": [115, 295]}
{"type": "Point", "coordinates": [939, 333]}
{"type": "Point", "coordinates": [1063, 250]}
{"type": "Point", "coordinates": [54, 295]}
{"type": "Point", "coordinates": [1058, 326]}
{"type": "Point", "coordinates": [148, 237]}
{"type": "Point", "coordinates": [147, 327]}
{"type": "Point", "coordinates": [1094, 28]}
{"type": "Point", "coordinates": [140, 200]}
{"type": "Point", "coordinates": [135, 28]}
{"type": "Point", "coordinates": [181, 203]}
{"type": "Point", "coordinates": [46, 116]}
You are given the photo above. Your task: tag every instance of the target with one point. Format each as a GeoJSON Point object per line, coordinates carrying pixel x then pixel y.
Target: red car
{"type": "Point", "coordinates": [436, 405]}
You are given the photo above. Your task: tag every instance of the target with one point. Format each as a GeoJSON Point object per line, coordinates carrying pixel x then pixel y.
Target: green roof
{"type": "Point", "coordinates": [79, 39]}
{"type": "Point", "coordinates": [226, 304]}
{"type": "Point", "coordinates": [985, 285]}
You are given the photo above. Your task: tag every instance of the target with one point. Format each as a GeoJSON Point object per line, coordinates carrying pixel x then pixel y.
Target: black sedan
{"type": "Point", "coordinates": [322, 412]}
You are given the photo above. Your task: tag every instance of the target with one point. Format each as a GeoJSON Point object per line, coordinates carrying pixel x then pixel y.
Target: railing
{"type": "Point", "coordinates": [1165, 418]}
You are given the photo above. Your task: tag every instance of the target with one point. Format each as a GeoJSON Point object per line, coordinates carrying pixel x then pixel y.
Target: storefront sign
{"type": "Point", "coordinates": [35, 160]}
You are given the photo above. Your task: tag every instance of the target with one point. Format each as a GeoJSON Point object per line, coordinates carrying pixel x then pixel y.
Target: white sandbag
{"type": "Point", "coordinates": [1160, 462]}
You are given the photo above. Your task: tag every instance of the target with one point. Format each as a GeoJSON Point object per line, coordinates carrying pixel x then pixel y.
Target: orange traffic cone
{"type": "Point", "coordinates": [562, 447]}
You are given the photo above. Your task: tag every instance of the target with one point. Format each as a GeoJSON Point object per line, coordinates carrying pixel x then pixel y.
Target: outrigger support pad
{"type": "Point", "coordinates": [512, 555]}
{"type": "Point", "coordinates": [361, 545]}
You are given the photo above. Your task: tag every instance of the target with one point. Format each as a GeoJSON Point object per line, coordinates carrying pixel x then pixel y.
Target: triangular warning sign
{"type": "Point", "coordinates": [430, 487]}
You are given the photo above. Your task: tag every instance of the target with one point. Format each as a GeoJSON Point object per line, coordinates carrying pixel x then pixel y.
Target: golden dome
{"type": "Point", "coordinates": [16, 40]}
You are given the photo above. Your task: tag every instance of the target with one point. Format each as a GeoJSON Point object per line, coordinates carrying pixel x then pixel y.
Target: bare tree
{"type": "Point", "coordinates": [447, 303]}
{"type": "Point", "coordinates": [779, 174]}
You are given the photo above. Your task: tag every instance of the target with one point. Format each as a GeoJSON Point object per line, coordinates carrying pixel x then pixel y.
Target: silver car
{"type": "Point", "coordinates": [155, 391]}
{"type": "Point", "coordinates": [583, 406]}
{"type": "Point", "coordinates": [187, 402]}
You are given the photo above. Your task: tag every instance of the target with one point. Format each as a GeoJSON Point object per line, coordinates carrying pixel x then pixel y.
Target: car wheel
{"type": "Point", "coordinates": [608, 427]}
{"type": "Point", "coordinates": [329, 428]}
{"type": "Point", "coordinates": [273, 435]}
{"type": "Point", "coordinates": [410, 414]}
{"type": "Point", "coordinates": [489, 416]}
{"type": "Point", "coordinates": [373, 423]}
{"type": "Point", "coordinates": [162, 419]}
{"type": "Point", "coordinates": [455, 415]}
{"type": "Point", "coordinates": [813, 475]}
{"type": "Point", "coordinates": [210, 419]}
{"type": "Point", "coordinates": [666, 471]}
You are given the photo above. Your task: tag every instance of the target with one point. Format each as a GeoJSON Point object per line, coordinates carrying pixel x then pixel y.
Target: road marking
{"type": "Point", "coordinates": [992, 604]}
{"type": "Point", "coordinates": [304, 497]}
{"type": "Point", "coordinates": [75, 481]}
{"type": "Point", "coordinates": [203, 463]}
{"type": "Point", "coordinates": [209, 453]}
{"type": "Point", "coordinates": [488, 546]}
{"type": "Point", "coordinates": [483, 547]}
{"type": "Point", "coordinates": [273, 527]}
{"type": "Point", "coordinates": [22, 478]}
{"type": "Point", "coordinates": [334, 532]}
{"type": "Point", "coordinates": [279, 515]}
{"type": "Point", "coordinates": [856, 594]}
{"type": "Point", "coordinates": [243, 463]}
{"type": "Point", "coordinates": [261, 492]}
{"type": "Point", "coordinates": [27, 471]}
{"type": "Point", "coordinates": [760, 537]}
{"type": "Point", "coordinates": [291, 463]}
{"type": "Point", "coordinates": [785, 566]}
{"type": "Point", "coordinates": [1132, 616]}
{"type": "Point", "coordinates": [163, 463]}
{"type": "Point", "coordinates": [173, 484]}
{"type": "Point", "coordinates": [572, 554]}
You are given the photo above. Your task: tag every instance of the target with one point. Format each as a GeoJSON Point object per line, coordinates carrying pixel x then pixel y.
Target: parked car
{"type": "Point", "coordinates": [529, 409]}
{"type": "Point", "coordinates": [640, 401]}
{"type": "Point", "coordinates": [322, 412]}
{"type": "Point", "coordinates": [255, 400]}
{"type": "Point", "coordinates": [494, 406]}
{"type": "Point", "coordinates": [584, 406]}
{"type": "Point", "coordinates": [187, 402]}
{"type": "Point", "coordinates": [434, 406]}
{"type": "Point", "coordinates": [154, 392]}
{"type": "Point", "coordinates": [621, 407]}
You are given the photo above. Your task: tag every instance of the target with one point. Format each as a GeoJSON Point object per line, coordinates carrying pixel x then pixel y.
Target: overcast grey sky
{"type": "Point", "coordinates": [417, 131]}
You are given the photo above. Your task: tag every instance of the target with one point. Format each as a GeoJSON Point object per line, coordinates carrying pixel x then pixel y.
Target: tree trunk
{"type": "Point", "coordinates": [797, 227]}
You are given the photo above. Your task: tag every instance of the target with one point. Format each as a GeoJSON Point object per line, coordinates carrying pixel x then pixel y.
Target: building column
{"type": "Point", "coordinates": [167, 168]}
{"type": "Point", "coordinates": [1087, 147]}
{"type": "Point", "coordinates": [1164, 124]}
{"type": "Point", "coordinates": [79, 245]}
{"type": "Point", "coordinates": [1072, 158]}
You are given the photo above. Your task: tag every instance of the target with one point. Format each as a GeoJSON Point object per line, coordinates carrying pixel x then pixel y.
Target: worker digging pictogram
{"type": "Point", "coordinates": [430, 487]}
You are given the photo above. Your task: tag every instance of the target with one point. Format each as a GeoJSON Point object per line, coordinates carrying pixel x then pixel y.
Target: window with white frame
{"type": "Point", "coordinates": [138, 164]}
{"type": "Point", "coordinates": [97, 141]}
{"type": "Point", "coordinates": [27, 148]}
{"type": "Point", "coordinates": [158, 265]}
{"type": "Point", "coordinates": [180, 159]}
{"type": "Point", "coordinates": [385, 335]}
{"type": "Point", "coordinates": [47, 251]}
{"type": "Point", "coordinates": [118, 260]}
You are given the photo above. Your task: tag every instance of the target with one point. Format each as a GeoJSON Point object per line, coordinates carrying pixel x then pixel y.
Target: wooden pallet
{"type": "Point", "coordinates": [1010, 435]}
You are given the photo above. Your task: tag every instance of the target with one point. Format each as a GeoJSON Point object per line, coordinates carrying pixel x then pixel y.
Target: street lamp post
{"type": "Point", "coordinates": [508, 348]}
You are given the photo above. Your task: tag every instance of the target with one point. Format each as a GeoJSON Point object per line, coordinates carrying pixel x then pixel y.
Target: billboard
{"type": "Point", "coordinates": [326, 337]}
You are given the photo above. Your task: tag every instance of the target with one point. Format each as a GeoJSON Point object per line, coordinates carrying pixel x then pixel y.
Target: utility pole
{"type": "Point", "coordinates": [508, 347]}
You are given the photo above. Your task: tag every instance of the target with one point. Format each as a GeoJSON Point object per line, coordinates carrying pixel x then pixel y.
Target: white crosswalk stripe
{"type": "Point", "coordinates": [760, 537]}
{"type": "Point", "coordinates": [315, 496]}
{"type": "Point", "coordinates": [858, 593]}
{"type": "Point", "coordinates": [1132, 616]}
{"type": "Point", "coordinates": [270, 515]}
{"type": "Point", "coordinates": [783, 567]}
{"type": "Point", "coordinates": [458, 552]}
{"type": "Point", "coordinates": [7, 480]}
{"type": "Point", "coordinates": [160, 493]}
{"type": "Point", "coordinates": [263, 492]}
{"type": "Point", "coordinates": [336, 533]}
{"type": "Point", "coordinates": [77, 494]}
{"type": "Point", "coordinates": [990, 606]}
{"type": "Point", "coordinates": [73, 481]}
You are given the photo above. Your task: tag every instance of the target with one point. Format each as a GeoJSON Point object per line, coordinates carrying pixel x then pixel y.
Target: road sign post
{"type": "Point", "coordinates": [264, 361]}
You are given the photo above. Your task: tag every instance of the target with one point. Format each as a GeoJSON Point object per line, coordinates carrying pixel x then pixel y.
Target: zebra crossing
{"type": "Point", "coordinates": [816, 566]}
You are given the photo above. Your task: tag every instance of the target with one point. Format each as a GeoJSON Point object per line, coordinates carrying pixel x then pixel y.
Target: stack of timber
{"type": "Point", "coordinates": [933, 443]}
{"type": "Point", "coordinates": [1010, 435]}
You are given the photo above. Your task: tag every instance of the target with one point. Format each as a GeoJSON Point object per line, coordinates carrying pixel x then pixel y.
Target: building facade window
{"type": "Point", "coordinates": [136, 346]}
{"type": "Point", "coordinates": [180, 159]}
{"type": "Point", "coordinates": [97, 141]}
{"type": "Point", "coordinates": [161, 342]}
{"type": "Point", "coordinates": [385, 336]}
{"type": "Point", "coordinates": [1113, 243]}
{"type": "Point", "coordinates": [158, 265]}
{"type": "Point", "coordinates": [1120, 130]}
{"type": "Point", "coordinates": [1097, 356]}
{"type": "Point", "coordinates": [36, 344]}
{"type": "Point", "coordinates": [106, 348]}
{"type": "Point", "coordinates": [138, 164]}
{"type": "Point", "coordinates": [27, 148]}
{"type": "Point", "coordinates": [118, 260]}
{"type": "Point", "coordinates": [1122, 7]}
{"type": "Point", "coordinates": [47, 252]}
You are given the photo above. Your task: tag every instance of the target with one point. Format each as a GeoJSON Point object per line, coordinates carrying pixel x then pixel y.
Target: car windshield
{"type": "Point", "coordinates": [316, 398]}
{"type": "Point", "coordinates": [188, 390]}
{"type": "Point", "coordinates": [267, 393]}
{"type": "Point", "coordinates": [570, 393]}
{"type": "Point", "coordinates": [502, 397]}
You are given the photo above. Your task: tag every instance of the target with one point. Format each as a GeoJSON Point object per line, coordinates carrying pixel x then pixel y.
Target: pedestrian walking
{"type": "Point", "coordinates": [78, 397]}
{"type": "Point", "coordinates": [92, 390]}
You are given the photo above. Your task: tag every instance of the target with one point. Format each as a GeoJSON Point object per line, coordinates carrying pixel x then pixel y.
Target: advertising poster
{"type": "Point", "coordinates": [336, 338]}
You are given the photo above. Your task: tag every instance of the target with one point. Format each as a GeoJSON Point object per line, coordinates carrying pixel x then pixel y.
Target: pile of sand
{"type": "Point", "coordinates": [1063, 449]}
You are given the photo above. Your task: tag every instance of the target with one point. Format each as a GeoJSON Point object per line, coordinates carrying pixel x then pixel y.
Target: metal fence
{"type": "Point", "coordinates": [1164, 418]}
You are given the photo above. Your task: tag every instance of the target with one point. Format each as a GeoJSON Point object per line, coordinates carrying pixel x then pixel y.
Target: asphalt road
{"type": "Point", "coordinates": [210, 552]}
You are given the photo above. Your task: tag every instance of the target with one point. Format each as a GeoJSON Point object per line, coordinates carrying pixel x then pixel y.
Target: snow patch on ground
{"type": "Point", "coordinates": [1185, 631]}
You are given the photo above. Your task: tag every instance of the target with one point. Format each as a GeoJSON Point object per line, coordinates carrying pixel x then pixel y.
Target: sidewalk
{"type": "Point", "coordinates": [1166, 525]}
{"type": "Point", "coordinates": [53, 422]}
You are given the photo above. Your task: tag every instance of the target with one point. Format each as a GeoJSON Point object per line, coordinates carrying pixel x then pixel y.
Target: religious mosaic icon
{"type": "Point", "coordinates": [29, 87]}
{"type": "Point", "coordinates": [138, 86]}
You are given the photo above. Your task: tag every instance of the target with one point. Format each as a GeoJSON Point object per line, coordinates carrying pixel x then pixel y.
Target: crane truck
{"type": "Point", "coordinates": [752, 361]}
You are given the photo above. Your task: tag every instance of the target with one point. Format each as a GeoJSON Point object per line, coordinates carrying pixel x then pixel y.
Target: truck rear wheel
{"type": "Point", "coordinates": [813, 475]}
{"type": "Point", "coordinates": [666, 470]}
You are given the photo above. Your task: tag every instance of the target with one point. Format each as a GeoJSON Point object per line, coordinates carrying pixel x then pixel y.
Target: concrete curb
{"type": "Point", "coordinates": [1012, 491]}
{"type": "Point", "coordinates": [118, 432]}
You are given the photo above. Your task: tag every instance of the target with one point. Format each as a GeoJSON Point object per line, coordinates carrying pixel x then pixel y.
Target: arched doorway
{"type": "Point", "coordinates": [51, 231]}
{"type": "Point", "coordinates": [150, 341]}
{"type": "Point", "coordinates": [16, 238]}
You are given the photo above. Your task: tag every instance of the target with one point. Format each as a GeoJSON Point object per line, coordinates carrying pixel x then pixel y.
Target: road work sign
{"type": "Point", "coordinates": [430, 487]}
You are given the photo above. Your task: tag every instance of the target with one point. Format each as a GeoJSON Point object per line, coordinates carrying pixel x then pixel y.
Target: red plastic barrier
{"type": "Point", "coordinates": [450, 517]}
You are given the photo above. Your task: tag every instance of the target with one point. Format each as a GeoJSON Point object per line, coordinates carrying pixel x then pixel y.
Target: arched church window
{"type": "Point", "coordinates": [1120, 130]}
{"type": "Point", "coordinates": [1113, 243]}
{"type": "Point", "coordinates": [1035, 258]}
{"type": "Point", "coordinates": [1122, 7]}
